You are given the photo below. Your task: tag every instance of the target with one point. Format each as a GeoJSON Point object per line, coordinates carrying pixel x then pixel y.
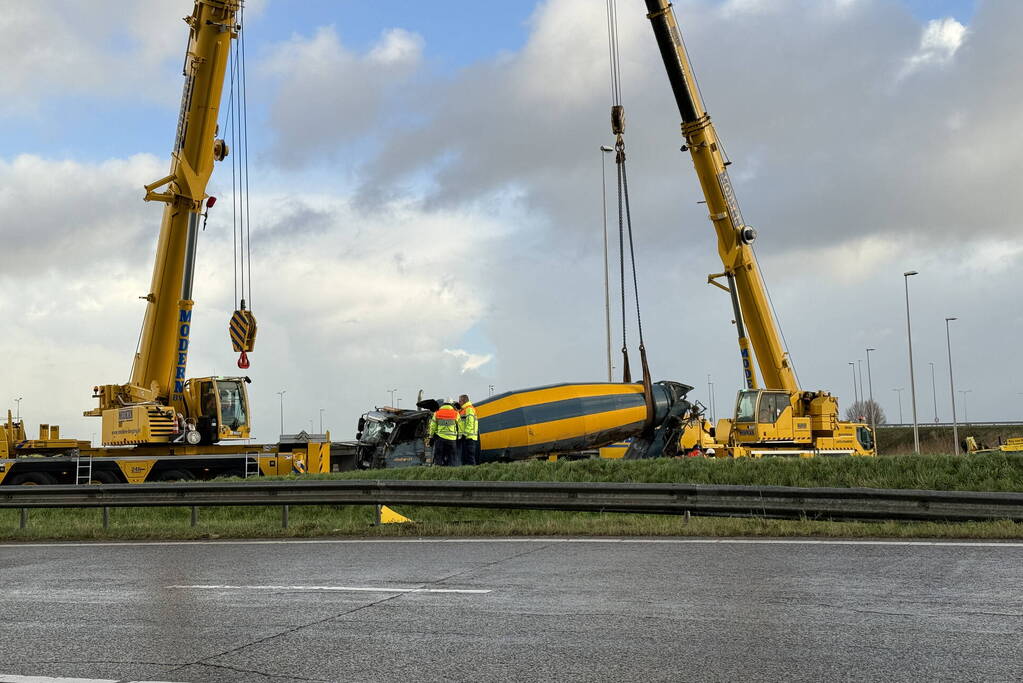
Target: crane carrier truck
{"type": "Point", "coordinates": [161, 424]}
{"type": "Point", "coordinates": [773, 415]}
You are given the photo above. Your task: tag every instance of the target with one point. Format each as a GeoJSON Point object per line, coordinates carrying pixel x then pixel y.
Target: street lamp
{"type": "Point", "coordinates": [899, 391]}
{"type": "Point", "coordinates": [870, 406]}
{"type": "Point", "coordinates": [321, 420]}
{"type": "Point", "coordinates": [604, 151]}
{"type": "Point", "coordinates": [912, 377]}
{"type": "Point", "coordinates": [934, 393]}
{"type": "Point", "coordinates": [281, 394]}
{"type": "Point", "coordinates": [18, 401]}
{"type": "Point", "coordinates": [392, 392]}
{"type": "Point", "coordinates": [952, 386]}
{"type": "Point", "coordinates": [966, 410]}
{"type": "Point", "coordinates": [859, 370]}
{"type": "Point", "coordinates": [856, 396]}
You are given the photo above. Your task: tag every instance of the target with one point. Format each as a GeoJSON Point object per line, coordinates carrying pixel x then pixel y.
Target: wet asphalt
{"type": "Point", "coordinates": [556, 610]}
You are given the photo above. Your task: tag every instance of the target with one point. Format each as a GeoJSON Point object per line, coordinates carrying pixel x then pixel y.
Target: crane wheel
{"type": "Point", "coordinates": [33, 479]}
{"type": "Point", "coordinates": [103, 477]}
{"type": "Point", "coordinates": [175, 475]}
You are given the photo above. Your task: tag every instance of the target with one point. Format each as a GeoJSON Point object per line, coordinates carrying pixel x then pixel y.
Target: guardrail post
{"type": "Point", "coordinates": [23, 521]}
{"type": "Point", "coordinates": [195, 516]}
{"type": "Point", "coordinates": [379, 510]}
{"type": "Point", "coordinates": [284, 516]}
{"type": "Point", "coordinates": [106, 518]}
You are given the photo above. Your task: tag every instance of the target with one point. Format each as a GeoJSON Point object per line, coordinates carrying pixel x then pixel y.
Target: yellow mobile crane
{"type": "Point", "coordinates": [158, 404]}
{"type": "Point", "coordinates": [773, 416]}
{"type": "Point", "coordinates": [161, 425]}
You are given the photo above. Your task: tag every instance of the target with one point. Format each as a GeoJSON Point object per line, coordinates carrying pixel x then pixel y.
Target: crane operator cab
{"type": "Point", "coordinates": [762, 416]}
{"type": "Point", "coordinates": [216, 409]}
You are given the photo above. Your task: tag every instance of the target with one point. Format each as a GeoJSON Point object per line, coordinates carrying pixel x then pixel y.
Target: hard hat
{"type": "Point", "coordinates": [710, 451]}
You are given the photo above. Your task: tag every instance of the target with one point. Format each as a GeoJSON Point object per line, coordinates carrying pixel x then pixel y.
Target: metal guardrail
{"type": "Point", "coordinates": [698, 499]}
{"type": "Point", "coordinates": [960, 425]}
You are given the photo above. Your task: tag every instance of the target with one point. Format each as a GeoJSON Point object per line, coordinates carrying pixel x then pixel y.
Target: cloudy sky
{"type": "Point", "coordinates": [426, 197]}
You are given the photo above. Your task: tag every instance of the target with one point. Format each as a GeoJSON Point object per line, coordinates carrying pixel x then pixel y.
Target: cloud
{"type": "Point", "coordinates": [469, 361]}
{"type": "Point", "coordinates": [475, 228]}
{"type": "Point", "coordinates": [939, 42]}
{"type": "Point", "coordinates": [328, 95]}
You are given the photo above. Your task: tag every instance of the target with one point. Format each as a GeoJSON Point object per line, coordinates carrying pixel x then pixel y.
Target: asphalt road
{"type": "Point", "coordinates": [524, 610]}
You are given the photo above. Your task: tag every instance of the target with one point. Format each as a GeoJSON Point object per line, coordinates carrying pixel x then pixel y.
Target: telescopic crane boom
{"type": "Point", "coordinates": [159, 404]}
{"type": "Point", "coordinates": [774, 413]}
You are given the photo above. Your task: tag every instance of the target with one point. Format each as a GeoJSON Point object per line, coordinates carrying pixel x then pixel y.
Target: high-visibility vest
{"type": "Point", "coordinates": [445, 423]}
{"type": "Point", "coordinates": [470, 425]}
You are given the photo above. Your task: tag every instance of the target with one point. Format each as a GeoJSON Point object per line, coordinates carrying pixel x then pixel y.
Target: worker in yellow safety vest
{"type": "Point", "coordinates": [469, 444]}
{"type": "Point", "coordinates": [445, 427]}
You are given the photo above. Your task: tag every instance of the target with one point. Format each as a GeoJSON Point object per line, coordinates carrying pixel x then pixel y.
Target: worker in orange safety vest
{"type": "Point", "coordinates": [445, 427]}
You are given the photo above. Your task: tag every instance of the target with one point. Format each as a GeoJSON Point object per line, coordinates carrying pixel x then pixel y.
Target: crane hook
{"type": "Point", "coordinates": [243, 361]}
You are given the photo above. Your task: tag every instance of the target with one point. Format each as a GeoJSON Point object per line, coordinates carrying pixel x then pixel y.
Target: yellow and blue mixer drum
{"type": "Point", "coordinates": [568, 417]}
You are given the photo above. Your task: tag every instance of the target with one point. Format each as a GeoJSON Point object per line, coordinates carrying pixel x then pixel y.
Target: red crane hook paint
{"type": "Point", "coordinates": [243, 361]}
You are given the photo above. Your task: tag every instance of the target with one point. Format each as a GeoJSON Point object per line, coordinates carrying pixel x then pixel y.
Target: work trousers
{"type": "Point", "coordinates": [469, 449]}
{"type": "Point", "coordinates": [445, 452]}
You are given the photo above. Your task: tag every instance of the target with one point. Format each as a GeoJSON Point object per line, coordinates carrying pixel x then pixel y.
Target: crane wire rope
{"type": "Point", "coordinates": [625, 214]}
{"type": "Point", "coordinates": [777, 321]}
{"type": "Point", "coordinates": [245, 119]}
{"type": "Point", "coordinates": [229, 123]}
{"type": "Point", "coordinates": [237, 124]}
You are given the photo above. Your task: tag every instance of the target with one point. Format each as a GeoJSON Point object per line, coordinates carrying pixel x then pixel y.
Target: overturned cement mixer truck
{"type": "Point", "coordinates": [552, 420]}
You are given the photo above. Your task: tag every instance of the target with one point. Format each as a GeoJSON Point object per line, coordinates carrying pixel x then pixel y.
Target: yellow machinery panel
{"type": "Point", "coordinates": [138, 425]}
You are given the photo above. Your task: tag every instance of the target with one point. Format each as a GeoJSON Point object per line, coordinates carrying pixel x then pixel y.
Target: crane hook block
{"type": "Point", "coordinates": [243, 332]}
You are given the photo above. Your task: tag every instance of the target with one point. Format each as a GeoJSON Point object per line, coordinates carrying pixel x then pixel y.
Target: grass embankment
{"type": "Point", "coordinates": [899, 440]}
{"type": "Point", "coordinates": [1001, 472]}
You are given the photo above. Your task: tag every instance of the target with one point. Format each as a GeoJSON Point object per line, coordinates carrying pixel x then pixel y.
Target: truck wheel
{"type": "Point", "coordinates": [104, 477]}
{"type": "Point", "coordinates": [33, 479]}
{"type": "Point", "coordinates": [175, 475]}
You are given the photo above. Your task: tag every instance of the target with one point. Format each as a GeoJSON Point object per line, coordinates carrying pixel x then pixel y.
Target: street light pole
{"type": "Point", "coordinates": [912, 376]}
{"type": "Point", "coordinates": [952, 386]}
{"type": "Point", "coordinates": [870, 406]}
{"type": "Point", "coordinates": [859, 369]}
{"type": "Point", "coordinates": [392, 392]}
{"type": "Point", "coordinates": [604, 150]}
{"type": "Point", "coordinates": [856, 396]}
{"type": "Point", "coordinates": [934, 393]}
{"type": "Point", "coordinates": [18, 401]}
{"type": "Point", "coordinates": [281, 394]}
{"type": "Point", "coordinates": [899, 392]}
{"type": "Point", "coordinates": [321, 420]}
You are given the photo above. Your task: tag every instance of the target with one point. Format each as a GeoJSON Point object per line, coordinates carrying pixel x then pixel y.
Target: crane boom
{"type": "Point", "coordinates": [752, 307]}
{"type": "Point", "coordinates": [158, 404]}
{"type": "Point", "coordinates": [163, 353]}
{"type": "Point", "coordinates": [777, 417]}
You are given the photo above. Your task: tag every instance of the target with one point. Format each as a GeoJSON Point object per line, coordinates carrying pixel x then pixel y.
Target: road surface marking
{"type": "Point", "coordinates": [343, 589]}
{"type": "Point", "coordinates": [8, 678]}
{"type": "Point", "coordinates": [665, 541]}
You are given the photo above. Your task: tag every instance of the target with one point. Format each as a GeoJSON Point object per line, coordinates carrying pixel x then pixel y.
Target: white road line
{"type": "Point", "coordinates": [345, 589]}
{"type": "Point", "coordinates": [8, 678]}
{"type": "Point", "coordinates": [533, 539]}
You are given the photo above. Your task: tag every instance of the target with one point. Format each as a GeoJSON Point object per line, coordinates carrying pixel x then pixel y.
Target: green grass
{"type": "Point", "coordinates": [1000, 472]}
{"type": "Point", "coordinates": [899, 440]}
{"type": "Point", "coordinates": [989, 472]}
{"type": "Point", "coordinates": [327, 521]}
